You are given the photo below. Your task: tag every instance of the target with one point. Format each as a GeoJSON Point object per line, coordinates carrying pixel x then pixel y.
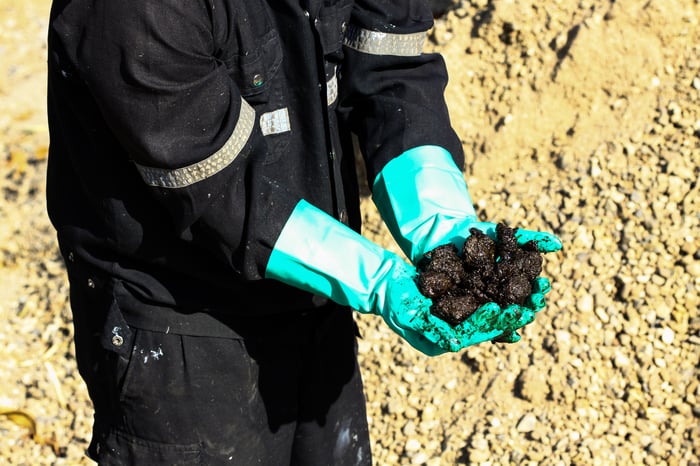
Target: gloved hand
{"type": "Point", "coordinates": [317, 253]}
{"type": "Point", "coordinates": [423, 199]}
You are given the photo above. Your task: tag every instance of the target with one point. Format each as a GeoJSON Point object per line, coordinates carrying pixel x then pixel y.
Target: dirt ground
{"type": "Point", "coordinates": [577, 117]}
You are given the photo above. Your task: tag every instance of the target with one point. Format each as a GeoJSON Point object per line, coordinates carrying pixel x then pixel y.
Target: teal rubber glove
{"type": "Point", "coordinates": [423, 199]}
{"type": "Point", "coordinates": [318, 254]}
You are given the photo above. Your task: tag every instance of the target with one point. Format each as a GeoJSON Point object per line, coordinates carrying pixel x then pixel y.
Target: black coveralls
{"type": "Point", "coordinates": [183, 133]}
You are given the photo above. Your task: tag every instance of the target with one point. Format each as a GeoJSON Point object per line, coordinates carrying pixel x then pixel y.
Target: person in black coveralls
{"type": "Point", "coordinates": [202, 184]}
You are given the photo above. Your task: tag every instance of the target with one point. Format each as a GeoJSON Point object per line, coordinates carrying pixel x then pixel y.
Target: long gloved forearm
{"type": "Point", "coordinates": [317, 253]}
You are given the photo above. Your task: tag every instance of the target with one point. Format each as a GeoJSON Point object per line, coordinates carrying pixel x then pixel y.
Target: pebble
{"type": "Point", "coordinates": [532, 384]}
{"type": "Point", "coordinates": [585, 303]}
{"type": "Point", "coordinates": [413, 445]}
{"type": "Point", "coordinates": [667, 336]}
{"type": "Point", "coordinates": [479, 451]}
{"type": "Point", "coordinates": [621, 360]}
{"type": "Point", "coordinates": [527, 423]}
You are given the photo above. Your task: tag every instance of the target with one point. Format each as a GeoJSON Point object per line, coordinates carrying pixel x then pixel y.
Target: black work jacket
{"type": "Point", "coordinates": [183, 133]}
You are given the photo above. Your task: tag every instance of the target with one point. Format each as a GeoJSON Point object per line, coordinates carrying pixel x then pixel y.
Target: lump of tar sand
{"type": "Point", "coordinates": [497, 271]}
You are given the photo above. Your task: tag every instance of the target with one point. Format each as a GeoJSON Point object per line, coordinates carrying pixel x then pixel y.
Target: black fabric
{"type": "Point", "coordinates": [160, 84]}
{"type": "Point", "coordinates": [282, 392]}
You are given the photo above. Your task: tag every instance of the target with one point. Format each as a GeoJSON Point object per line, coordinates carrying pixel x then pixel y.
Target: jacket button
{"type": "Point", "coordinates": [117, 340]}
{"type": "Point", "coordinates": [258, 80]}
{"type": "Point", "coordinates": [71, 257]}
{"type": "Point", "coordinates": [91, 283]}
{"type": "Point", "coordinates": [343, 216]}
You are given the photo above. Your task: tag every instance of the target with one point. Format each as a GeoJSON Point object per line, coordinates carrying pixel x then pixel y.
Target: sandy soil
{"type": "Point", "coordinates": [581, 118]}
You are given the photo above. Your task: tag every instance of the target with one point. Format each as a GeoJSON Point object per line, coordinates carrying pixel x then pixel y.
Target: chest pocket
{"type": "Point", "coordinates": [250, 48]}
{"type": "Point", "coordinates": [254, 66]}
{"type": "Point", "coordinates": [253, 54]}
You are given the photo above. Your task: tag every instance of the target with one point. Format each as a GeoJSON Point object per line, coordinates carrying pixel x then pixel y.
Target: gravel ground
{"type": "Point", "coordinates": [581, 118]}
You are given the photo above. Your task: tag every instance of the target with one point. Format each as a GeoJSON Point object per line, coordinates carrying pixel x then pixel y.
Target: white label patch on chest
{"type": "Point", "coordinates": [275, 122]}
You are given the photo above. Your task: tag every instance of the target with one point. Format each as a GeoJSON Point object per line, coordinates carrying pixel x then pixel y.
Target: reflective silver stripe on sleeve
{"type": "Point", "coordinates": [384, 43]}
{"type": "Point", "coordinates": [186, 176]}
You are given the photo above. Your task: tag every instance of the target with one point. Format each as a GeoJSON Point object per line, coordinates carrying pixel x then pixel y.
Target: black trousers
{"type": "Point", "coordinates": [287, 391]}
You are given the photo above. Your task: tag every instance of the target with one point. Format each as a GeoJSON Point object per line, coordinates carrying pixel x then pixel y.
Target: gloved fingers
{"type": "Point", "coordinates": [478, 327]}
{"type": "Point", "coordinates": [536, 302]}
{"type": "Point", "coordinates": [546, 242]}
{"type": "Point", "coordinates": [484, 318]}
{"type": "Point", "coordinates": [468, 335]}
{"type": "Point", "coordinates": [445, 336]}
{"type": "Point", "coordinates": [507, 337]}
{"type": "Point", "coordinates": [441, 333]}
{"type": "Point", "coordinates": [489, 322]}
{"type": "Point", "coordinates": [541, 285]}
{"type": "Point", "coordinates": [431, 335]}
{"type": "Point", "coordinates": [514, 317]}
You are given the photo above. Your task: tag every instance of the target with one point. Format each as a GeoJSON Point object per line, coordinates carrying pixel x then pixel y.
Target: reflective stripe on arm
{"type": "Point", "coordinates": [186, 176]}
{"type": "Point", "coordinates": [384, 43]}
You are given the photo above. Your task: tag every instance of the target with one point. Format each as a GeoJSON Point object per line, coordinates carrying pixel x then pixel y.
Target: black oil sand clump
{"type": "Point", "coordinates": [488, 271]}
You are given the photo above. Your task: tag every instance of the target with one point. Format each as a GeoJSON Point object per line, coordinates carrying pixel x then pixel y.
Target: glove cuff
{"type": "Point", "coordinates": [423, 199]}
{"type": "Point", "coordinates": [319, 254]}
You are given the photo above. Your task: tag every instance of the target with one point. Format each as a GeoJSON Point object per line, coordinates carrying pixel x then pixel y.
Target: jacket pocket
{"type": "Point", "coordinates": [251, 50]}
{"type": "Point", "coordinates": [253, 67]}
{"type": "Point", "coordinates": [117, 338]}
{"type": "Point", "coordinates": [120, 448]}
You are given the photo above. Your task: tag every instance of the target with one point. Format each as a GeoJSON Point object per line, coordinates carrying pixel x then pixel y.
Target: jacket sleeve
{"type": "Point", "coordinates": [392, 94]}
{"type": "Point", "coordinates": [158, 84]}
{"type": "Point", "coordinates": [182, 120]}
